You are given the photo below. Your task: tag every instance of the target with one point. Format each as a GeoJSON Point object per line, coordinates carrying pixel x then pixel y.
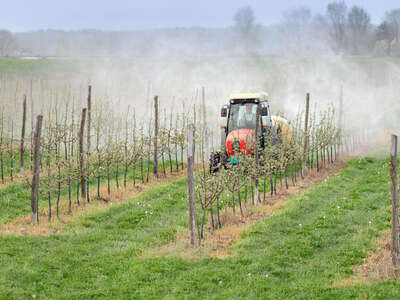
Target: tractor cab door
{"type": "Point", "coordinates": [269, 132]}
{"type": "Point", "coordinates": [266, 116]}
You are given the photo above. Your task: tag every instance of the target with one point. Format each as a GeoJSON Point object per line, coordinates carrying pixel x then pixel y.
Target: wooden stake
{"type": "Point", "coordinates": [82, 156]}
{"type": "Point", "coordinates": [256, 140]}
{"type": "Point", "coordinates": [22, 147]}
{"type": "Point", "coordinates": [89, 118]}
{"type": "Point", "coordinates": [36, 172]}
{"type": "Point", "coordinates": [204, 139]}
{"type": "Point", "coordinates": [395, 202]}
{"type": "Point", "coordinates": [340, 125]}
{"type": "Point", "coordinates": [192, 205]}
{"type": "Point", "coordinates": [32, 127]}
{"type": "Point", "coordinates": [155, 157]}
{"type": "Point", "coordinates": [89, 124]}
{"type": "Point", "coordinates": [305, 149]}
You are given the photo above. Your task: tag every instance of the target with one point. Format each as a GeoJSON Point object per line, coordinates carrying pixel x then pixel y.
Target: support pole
{"type": "Point", "coordinates": [395, 202]}
{"type": "Point", "coordinates": [192, 205]}
{"type": "Point", "coordinates": [155, 153]}
{"type": "Point", "coordinates": [89, 118]}
{"type": "Point", "coordinates": [340, 125]}
{"type": "Point", "coordinates": [36, 172]}
{"type": "Point", "coordinates": [82, 156]}
{"type": "Point", "coordinates": [89, 124]}
{"type": "Point", "coordinates": [305, 149]}
{"type": "Point", "coordinates": [22, 146]}
{"type": "Point", "coordinates": [205, 143]}
{"type": "Point", "coordinates": [256, 142]}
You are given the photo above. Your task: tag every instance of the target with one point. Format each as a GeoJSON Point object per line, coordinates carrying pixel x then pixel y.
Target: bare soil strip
{"type": "Point", "coordinates": [217, 243]}
{"type": "Point", "coordinates": [22, 225]}
{"type": "Point", "coordinates": [375, 268]}
{"type": "Point", "coordinates": [17, 180]}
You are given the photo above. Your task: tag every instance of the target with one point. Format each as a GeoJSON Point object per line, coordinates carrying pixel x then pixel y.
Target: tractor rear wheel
{"type": "Point", "coordinates": [217, 160]}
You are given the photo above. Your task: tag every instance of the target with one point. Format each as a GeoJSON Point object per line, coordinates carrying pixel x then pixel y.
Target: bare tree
{"type": "Point", "coordinates": [295, 26]}
{"type": "Point", "coordinates": [297, 19]}
{"type": "Point", "coordinates": [384, 33]}
{"type": "Point", "coordinates": [244, 20]}
{"type": "Point", "coordinates": [337, 17]}
{"type": "Point", "coordinates": [8, 43]}
{"type": "Point", "coordinates": [246, 29]}
{"type": "Point", "coordinates": [393, 21]}
{"type": "Point", "coordinates": [359, 22]}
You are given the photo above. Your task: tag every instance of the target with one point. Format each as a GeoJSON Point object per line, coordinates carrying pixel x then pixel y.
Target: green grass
{"type": "Point", "coordinates": [15, 197]}
{"type": "Point", "coordinates": [341, 220]}
{"type": "Point", "coordinates": [47, 68]}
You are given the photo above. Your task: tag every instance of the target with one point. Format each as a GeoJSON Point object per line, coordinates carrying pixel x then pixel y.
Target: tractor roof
{"type": "Point", "coordinates": [262, 96]}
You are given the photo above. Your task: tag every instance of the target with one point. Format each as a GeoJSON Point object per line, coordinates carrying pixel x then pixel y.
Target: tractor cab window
{"type": "Point", "coordinates": [242, 116]}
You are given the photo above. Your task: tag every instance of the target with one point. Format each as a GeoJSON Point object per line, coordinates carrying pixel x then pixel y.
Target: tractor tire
{"type": "Point", "coordinates": [217, 160]}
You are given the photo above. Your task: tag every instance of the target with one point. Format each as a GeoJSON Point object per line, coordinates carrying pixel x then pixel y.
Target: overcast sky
{"type": "Point", "coordinates": [24, 15]}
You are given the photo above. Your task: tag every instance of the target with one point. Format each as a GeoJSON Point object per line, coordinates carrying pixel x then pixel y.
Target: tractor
{"type": "Point", "coordinates": [239, 128]}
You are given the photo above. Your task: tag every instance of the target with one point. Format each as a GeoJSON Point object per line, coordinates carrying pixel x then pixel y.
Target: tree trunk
{"type": "Point", "coordinates": [163, 164]}
{"type": "Point", "coordinates": [77, 193]}
{"type": "Point", "coordinates": [233, 203]}
{"type": "Point", "coordinates": [125, 174]}
{"type": "Point", "coordinates": [218, 215]}
{"type": "Point", "coordinates": [176, 157]}
{"type": "Point", "coordinates": [240, 204]}
{"type": "Point", "coordinates": [117, 176]}
{"type": "Point", "coordinates": [271, 186]}
{"type": "Point", "coordinates": [169, 153]}
{"type": "Point", "coordinates": [69, 196]}
{"type": "Point", "coordinates": [134, 174]}
{"type": "Point", "coordinates": [108, 181]}
{"type": "Point", "coordinates": [212, 218]}
{"type": "Point", "coordinates": [286, 181]}
{"type": "Point", "coordinates": [141, 170]}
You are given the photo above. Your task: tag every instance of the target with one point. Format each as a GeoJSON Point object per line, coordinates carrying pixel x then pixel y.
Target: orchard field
{"type": "Point", "coordinates": [113, 204]}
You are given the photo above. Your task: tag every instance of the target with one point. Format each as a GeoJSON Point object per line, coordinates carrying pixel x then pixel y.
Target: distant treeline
{"type": "Point", "coordinates": [341, 30]}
